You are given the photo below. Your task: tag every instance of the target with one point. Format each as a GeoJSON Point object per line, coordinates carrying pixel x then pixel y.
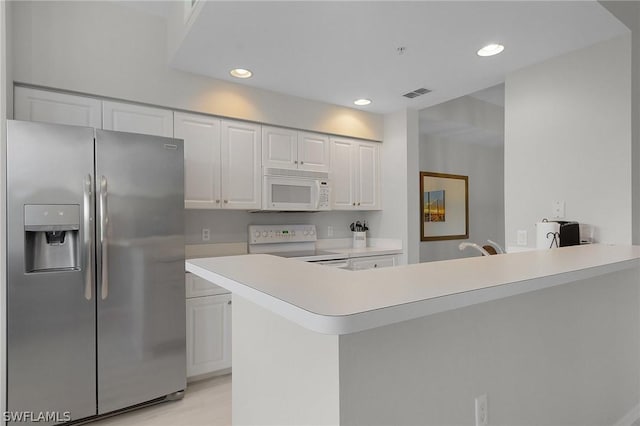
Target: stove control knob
{"type": "Point", "coordinates": [264, 233]}
{"type": "Point", "coordinates": [256, 234]}
{"type": "Point", "coordinates": [306, 232]}
{"type": "Point", "coordinates": [293, 233]}
{"type": "Point", "coordinates": [312, 232]}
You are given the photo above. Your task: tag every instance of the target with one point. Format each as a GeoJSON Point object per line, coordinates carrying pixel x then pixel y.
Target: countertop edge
{"type": "Point", "coordinates": [352, 323]}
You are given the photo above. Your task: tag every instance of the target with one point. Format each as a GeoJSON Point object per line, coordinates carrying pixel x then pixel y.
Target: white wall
{"type": "Point", "coordinates": [568, 137]}
{"type": "Point", "coordinates": [628, 12]}
{"type": "Point", "coordinates": [230, 226]}
{"type": "Point", "coordinates": [567, 355]}
{"type": "Point", "coordinates": [399, 184]}
{"type": "Point", "coordinates": [109, 49]}
{"type": "Point", "coordinates": [6, 111]}
{"type": "Point", "coordinates": [484, 164]}
{"type": "Point", "coordinates": [465, 136]}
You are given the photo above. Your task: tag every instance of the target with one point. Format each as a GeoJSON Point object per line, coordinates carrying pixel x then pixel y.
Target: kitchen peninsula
{"type": "Point", "coordinates": [417, 344]}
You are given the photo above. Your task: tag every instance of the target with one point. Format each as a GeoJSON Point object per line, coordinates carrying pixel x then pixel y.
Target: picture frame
{"type": "Point", "coordinates": [444, 206]}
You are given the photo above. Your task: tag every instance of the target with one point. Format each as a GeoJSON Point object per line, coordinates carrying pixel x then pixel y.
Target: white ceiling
{"type": "Point", "coordinates": [336, 52]}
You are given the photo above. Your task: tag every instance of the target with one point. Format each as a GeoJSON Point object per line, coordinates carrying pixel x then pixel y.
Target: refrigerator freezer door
{"type": "Point", "coordinates": [140, 286]}
{"type": "Point", "coordinates": [51, 344]}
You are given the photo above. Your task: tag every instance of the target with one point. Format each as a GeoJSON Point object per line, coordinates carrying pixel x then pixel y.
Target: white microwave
{"type": "Point", "coordinates": [295, 190]}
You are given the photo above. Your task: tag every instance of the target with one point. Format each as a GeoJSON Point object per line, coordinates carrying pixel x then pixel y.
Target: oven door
{"type": "Point", "coordinates": [287, 193]}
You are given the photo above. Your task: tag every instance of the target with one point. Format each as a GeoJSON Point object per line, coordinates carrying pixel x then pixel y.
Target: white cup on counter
{"type": "Point", "coordinates": [359, 239]}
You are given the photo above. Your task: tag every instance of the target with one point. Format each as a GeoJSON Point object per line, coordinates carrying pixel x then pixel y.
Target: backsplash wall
{"type": "Point", "coordinates": [230, 226]}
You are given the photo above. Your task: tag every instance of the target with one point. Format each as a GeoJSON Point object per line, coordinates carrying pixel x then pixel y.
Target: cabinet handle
{"type": "Point", "coordinates": [88, 238]}
{"type": "Point", "coordinates": [302, 162]}
{"type": "Point", "coordinates": [104, 244]}
{"type": "Point", "coordinates": [354, 204]}
{"type": "Point", "coordinates": [229, 302]}
{"type": "Point", "coordinates": [295, 162]}
{"type": "Point", "coordinates": [226, 201]}
{"type": "Point", "coordinates": [217, 201]}
{"type": "Point", "coordinates": [375, 265]}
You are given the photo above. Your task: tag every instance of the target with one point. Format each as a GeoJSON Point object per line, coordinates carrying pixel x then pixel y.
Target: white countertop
{"type": "Point", "coordinates": [335, 301]}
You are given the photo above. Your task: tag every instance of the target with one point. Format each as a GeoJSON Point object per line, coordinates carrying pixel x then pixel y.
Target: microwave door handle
{"type": "Point", "coordinates": [317, 194]}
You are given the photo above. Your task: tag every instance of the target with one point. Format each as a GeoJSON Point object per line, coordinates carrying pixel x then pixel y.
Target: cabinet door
{"type": "Point", "coordinates": [201, 136]}
{"type": "Point", "coordinates": [313, 152]}
{"type": "Point", "coordinates": [368, 176]}
{"type": "Point", "coordinates": [241, 171]}
{"type": "Point", "coordinates": [59, 108]}
{"type": "Point", "coordinates": [132, 118]}
{"type": "Point", "coordinates": [279, 148]}
{"type": "Point", "coordinates": [342, 174]}
{"type": "Point", "coordinates": [208, 334]}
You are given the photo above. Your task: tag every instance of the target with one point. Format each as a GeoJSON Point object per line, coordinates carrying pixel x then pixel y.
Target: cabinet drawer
{"type": "Point", "coordinates": [373, 262]}
{"type": "Point", "coordinates": [197, 287]}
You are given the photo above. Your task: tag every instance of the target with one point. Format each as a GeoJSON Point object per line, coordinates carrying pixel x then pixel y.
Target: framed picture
{"type": "Point", "coordinates": [444, 206]}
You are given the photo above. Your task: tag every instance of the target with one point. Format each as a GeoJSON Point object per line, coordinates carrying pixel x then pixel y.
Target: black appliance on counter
{"type": "Point", "coordinates": [569, 233]}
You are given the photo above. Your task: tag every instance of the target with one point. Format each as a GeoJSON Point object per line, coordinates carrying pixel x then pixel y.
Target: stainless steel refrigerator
{"type": "Point", "coordinates": [95, 270]}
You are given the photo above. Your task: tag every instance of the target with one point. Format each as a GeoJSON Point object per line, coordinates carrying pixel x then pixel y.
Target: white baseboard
{"type": "Point", "coordinates": [630, 418]}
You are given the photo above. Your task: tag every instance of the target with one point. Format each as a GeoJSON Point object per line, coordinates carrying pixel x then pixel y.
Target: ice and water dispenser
{"type": "Point", "coordinates": [51, 237]}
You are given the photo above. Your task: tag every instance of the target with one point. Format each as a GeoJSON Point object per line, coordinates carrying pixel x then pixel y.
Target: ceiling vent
{"type": "Point", "coordinates": [416, 93]}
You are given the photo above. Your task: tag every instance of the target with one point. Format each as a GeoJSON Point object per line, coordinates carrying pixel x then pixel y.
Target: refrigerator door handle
{"type": "Point", "coordinates": [104, 256]}
{"type": "Point", "coordinates": [88, 238]}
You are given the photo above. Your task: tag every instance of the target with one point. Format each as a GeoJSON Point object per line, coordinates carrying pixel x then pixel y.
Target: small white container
{"type": "Point", "coordinates": [359, 239]}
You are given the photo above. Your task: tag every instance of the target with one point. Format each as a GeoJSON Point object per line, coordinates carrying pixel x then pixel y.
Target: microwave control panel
{"type": "Point", "coordinates": [324, 196]}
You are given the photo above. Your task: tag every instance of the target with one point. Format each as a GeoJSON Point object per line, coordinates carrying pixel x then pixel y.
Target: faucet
{"type": "Point", "coordinates": [496, 246]}
{"type": "Point", "coordinates": [465, 244]}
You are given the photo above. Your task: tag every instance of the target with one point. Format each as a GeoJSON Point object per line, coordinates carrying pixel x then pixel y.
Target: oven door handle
{"type": "Point", "coordinates": [335, 264]}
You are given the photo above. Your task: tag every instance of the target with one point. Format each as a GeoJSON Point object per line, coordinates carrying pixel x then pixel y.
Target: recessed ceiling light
{"type": "Point", "coordinates": [240, 73]}
{"type": "Point", "coordinates": [362, 102]}
{"type": "Point", "coordinates": [491, 49]}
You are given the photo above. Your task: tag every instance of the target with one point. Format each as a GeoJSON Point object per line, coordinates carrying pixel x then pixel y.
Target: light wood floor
{"type": "Point", "coordinates": [207, 402]}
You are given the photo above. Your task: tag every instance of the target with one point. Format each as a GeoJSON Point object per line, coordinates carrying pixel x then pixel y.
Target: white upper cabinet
{"type": "Point", "coordinates": [279, 148]}
{"type": "Point", "coordinates": [222, 162]}
{"type": "Point", "coordinates": [59, 108]}
{"type": "Point", "coordinates": [132, 118]}
{"type": "Point", "coordinates": [241, 157]}
{"type": "Point", "coordinates": [368, 179]}
{"type": "Point", "coordinates": [355, 174]}
{"type": "Point", "coordinates": [313, 152]}
{"type": "Point", "coordinates": [342, 174]}
{"type": "Point", "coordinates": [201, 136]}
{"type": "Point", "coordinates": [290, 149]}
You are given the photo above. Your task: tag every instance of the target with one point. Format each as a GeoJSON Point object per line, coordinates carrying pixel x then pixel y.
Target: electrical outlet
{"type": "Point", "coordinates": [557, 209]}
{"type": "Point", "coordinates": [482, 410]}
{"type": "Point", "coordinates": [522, 237]}
{"type": "Point", "coordinates": [206, 234]}
{"type": "Point", "coordinates": [329, 231]}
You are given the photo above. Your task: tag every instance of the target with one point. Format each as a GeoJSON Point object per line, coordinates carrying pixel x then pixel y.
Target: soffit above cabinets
{"type": "Point", "coordinates": [337, 52]}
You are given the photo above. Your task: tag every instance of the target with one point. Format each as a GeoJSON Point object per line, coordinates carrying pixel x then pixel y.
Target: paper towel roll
{"type": "Point", "coordinates": [545, 232]}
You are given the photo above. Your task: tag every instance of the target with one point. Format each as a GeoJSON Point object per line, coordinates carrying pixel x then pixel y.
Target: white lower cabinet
{"type": "Point", "coordinates": [208, 333]}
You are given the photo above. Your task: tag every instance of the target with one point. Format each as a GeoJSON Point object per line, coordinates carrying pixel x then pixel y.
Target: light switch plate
{"type": "Point", "coordinates": [557, 209]}
{"type": "Point", "coordinates": [522, 237]}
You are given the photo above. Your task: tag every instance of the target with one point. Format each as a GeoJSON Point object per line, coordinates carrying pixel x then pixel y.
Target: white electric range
{"type": "Point", "coordinates": [299, 242]}
{"type": "Point", "coordinates": [293, 241]}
